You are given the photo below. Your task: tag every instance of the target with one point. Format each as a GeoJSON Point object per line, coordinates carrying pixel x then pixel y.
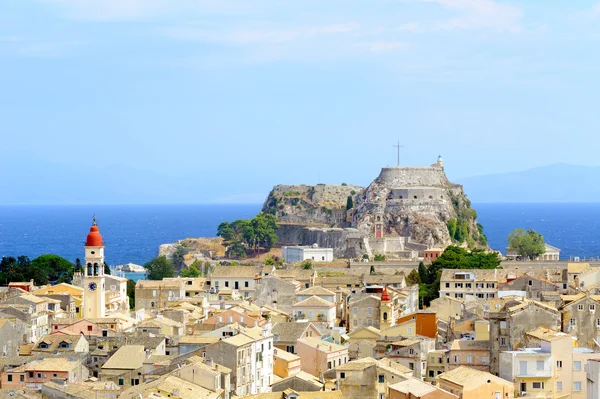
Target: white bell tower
{"type": "Point", "coordinates": [94, 300]}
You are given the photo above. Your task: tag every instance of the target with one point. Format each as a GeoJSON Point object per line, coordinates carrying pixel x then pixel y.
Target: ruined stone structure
{"type": "Point", "coordinates": [404, 211]}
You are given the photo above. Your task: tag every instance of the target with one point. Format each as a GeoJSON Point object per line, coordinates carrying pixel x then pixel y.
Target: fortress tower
{"type": "Point", "coordinates": [94, 302]}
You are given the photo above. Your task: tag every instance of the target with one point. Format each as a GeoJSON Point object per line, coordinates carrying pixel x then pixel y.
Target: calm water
{"type": "Point", "coordinates": [133, 233]}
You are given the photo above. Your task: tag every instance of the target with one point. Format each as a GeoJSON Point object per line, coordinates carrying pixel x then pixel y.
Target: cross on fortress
{"type": "Point", "coordinates": [398, 146]}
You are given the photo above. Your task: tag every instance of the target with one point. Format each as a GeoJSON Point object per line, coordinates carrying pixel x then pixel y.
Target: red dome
{"type": "Point", "coordinates": [94, 238]}
{"type": "Point", "coordinates": [385, 296]}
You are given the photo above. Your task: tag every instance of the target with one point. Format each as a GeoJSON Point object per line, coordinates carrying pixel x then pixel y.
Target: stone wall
{"type": "Point", "coordinates": [406, 176]}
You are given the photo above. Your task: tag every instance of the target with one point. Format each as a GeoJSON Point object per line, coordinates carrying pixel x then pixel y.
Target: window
{"type": "Point", "coordinates": [9, 377]}
{"type": "Point", "coordinates": [226, 283]}
{"type": "Point", "coordinates": [559, 385]}
{"type": "Point", "coordinates": [577, 386]}
{"type": "Point", "coordinates": [530, 282]}
{"type": "Point", "coordinates": [502, 341]}
{"type": "Point", "coordinates": [328, 365]}
{"type": "Point", "coordinates": [502, 324]}
{"type": "Point", "coordinates": [369, 322]}
{"type": "Point", "coordinates": [289, 348]}
{"type": "Point", "coordinates": [467, 285]}
{"type": "Point", "coordinates": [219, 319]}
{"type": "Point", "coordinates": [342, 375]}
{"type": "Point", "coordinates": [409, 330]}
{"type": "Point", "coordinates": [370, 310]}
{"type": "Point", "coordinates": [411, 366]}
{"type": "Point", "coordinates": [447, 285]}
{"type": "Point", "coordinates": [241, 319]}
{"type": "Point", "coordinates": [30, 374]}
{"type": "Point", "coordinates": [540, 365]}
{"type": "Point", "coordinates": [431, 374]}
{"type": "Point", "coordinates": [246, 284]}
{"type": "Point", "coordinates": [411, 351]}
{"type": "Point", "coordinates": [458, 285]}
{"type": "Point", "coordinates": [455, 359]}
{"type": "Point", "coordinates": [230, 319]}
{"type": "Point", "coordinates": [538, 385]}
{"type": "Point", "coordinates": [355, 323]}
{"type": "Point", "coordinates": [577, 365]}
{"type": "Point", "coordinates": [580, 307]}
{"type": "Point", "coordinates": [485, 360]}
{"type": "Point", "coordinates": [355, 310]}
{"type": "Point", "coordinates": [469, 359]}
{"type": "Point", "coordinates": [89, 328]}
{"type": "Point", "coordinates": [135, 381]}
{"type": "Point", "coordinates": [572, 322]}
{"type": "Point", "coordinates": [559, 364]}
{"type": "Point", "coordinates": [381, 378]}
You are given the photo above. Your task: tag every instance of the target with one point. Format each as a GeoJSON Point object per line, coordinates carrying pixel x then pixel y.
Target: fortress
{"type": "Point", "coordinates": [404, 211]}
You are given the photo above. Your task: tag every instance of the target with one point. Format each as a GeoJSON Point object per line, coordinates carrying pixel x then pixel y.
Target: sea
{"type": "Point", "coordinates": [133, 233]}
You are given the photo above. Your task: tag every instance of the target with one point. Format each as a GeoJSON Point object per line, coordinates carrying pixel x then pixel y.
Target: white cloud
{"type": "Point", "coordinates": [478, 14]}
{"type": "Point", "coordinates": [382, 46]}
{"type": "Point", "coordinates": [258, 36]}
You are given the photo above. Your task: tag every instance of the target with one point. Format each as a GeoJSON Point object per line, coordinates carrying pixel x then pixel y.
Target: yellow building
{"type": "Point", "coordinates": [468, 383]}
{"type": "Point", "coordinates": [65, 289]}
{"type": "Point", "coordinates": [286, 364]}
{"type": "Point", "coordinates": [482, 330]}
{"type": "Point", "coordinates": [406, 329]}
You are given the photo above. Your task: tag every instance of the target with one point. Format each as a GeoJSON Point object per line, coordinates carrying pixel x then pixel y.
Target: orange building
{"type": "Point", "coordinates": [432, 254]}
{"type": "Point", "coordinates": [426, 323]}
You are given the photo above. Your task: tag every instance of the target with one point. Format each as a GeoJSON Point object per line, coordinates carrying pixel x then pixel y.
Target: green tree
{"type": "Point", "coordinates": [131, 293]}
{"type": "Point", "coordinates": [307, 265]}
{"type": "Point", "coordinates": [413, 278]}
{"type": "Point", "coordinates": [106, 269]}
{"type": "Point", "coordinates": [452, 228]}
{"type": "Point", "coordinates": [242, 235]}
{"type": "Point", "coordinates": [78, 267]}
{"type": "Point", "coordinates": [379, 258]}
{"type": "Point", "coordinates": [50, 268]}
{"type": "Point", "coordinates": [529, 244]}
{"type": "Point", "coordinates": [372, 270]}
{"type": "Point", "coordinates": [454, 258]}
{"type": "Point", "coordinates": [159, 268]}
{"type": "Point", "coordinates": [349, 203]}
{"type": "Point", "coordinates": [422, 272]}
{"type": "Point", "coordinates": [192, 271]}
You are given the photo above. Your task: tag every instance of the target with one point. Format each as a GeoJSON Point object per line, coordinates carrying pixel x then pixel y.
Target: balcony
{"type": "Point", "coordinates": [546, 373]}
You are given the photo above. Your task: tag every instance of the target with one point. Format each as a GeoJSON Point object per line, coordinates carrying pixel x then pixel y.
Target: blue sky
{"type": "Point", "coordinates": [224, 99]}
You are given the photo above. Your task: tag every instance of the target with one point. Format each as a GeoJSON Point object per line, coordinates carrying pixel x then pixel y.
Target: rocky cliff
{"type": "Point", "coordinates": [415, 206]}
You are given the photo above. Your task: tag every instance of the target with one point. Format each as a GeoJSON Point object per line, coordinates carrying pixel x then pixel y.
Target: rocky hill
{"type": "Point", "coordinates": [316, 205]}
{"type": "Point", "coordinates": [404, 208]}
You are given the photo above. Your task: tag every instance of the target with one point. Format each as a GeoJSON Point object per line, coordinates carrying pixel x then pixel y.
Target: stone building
{"type": "Point", "coordinates": [286, 335]}
{"type": "Point", "coordinates": [474, 354]}
{"type": "Point", "coordinates": [411, 353]}
{"type": "Point", "coordinates": [510, 322]}
{"type": "Point", "coordinates": [276, 292]}
{"type": "Point", "coordinates": [371, 309]}
{"type": "Point", "coordinates": [469, 383]}
{"type": "Point", "coordinates": [368, 378]}
{"type": "Point", "coordinates": [530, 286]}
{"type": "Point", "coordinates": [581, 318]}
{"type": "Point", "coordinates": [150, 294]}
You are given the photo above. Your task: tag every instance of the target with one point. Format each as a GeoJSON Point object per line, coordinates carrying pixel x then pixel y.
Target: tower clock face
{"type": "Point", "coordinates": [92, 286]}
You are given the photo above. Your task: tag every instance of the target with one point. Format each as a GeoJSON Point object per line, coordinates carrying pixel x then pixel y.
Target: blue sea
{"type": "Point", "coordinates": [133, 233]}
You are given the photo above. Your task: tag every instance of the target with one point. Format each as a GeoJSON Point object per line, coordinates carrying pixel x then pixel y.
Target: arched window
{"type": "Point", "coordinates": [384, 315]}
{"type": "Point", "coordinates": [379, 218]}
{"type": "Point", "coordinates": [151, 304]}
{"type": "Point", "coordinates": [89, 269]}
{"type": "Point", "coordinates": [95, 269]}
{"type": "Point", "coordinates": [430, 197]}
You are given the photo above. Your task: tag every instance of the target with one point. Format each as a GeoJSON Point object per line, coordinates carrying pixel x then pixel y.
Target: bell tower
{"type": "Point", "coordinates": [94, 301]}
{"type": "Point", "coordinates": [386, 310]}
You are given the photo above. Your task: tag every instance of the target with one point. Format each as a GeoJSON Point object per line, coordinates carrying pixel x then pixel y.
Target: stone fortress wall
{"type": "Point", "coordinates": [413, 176]}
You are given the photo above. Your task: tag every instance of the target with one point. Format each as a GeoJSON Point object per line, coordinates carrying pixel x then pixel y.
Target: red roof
{"type": "Point", "coordinates": [94, 238]}
{"type": "Point", "coordinates": [385, 296]}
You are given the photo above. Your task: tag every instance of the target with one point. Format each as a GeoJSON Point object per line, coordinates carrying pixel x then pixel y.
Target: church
{"type": "Point", "coordinates": [103, 294]}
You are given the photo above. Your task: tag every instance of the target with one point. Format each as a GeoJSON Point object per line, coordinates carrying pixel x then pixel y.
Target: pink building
{"type": "Point", "coordinates": [37, 372]}
{"type": "Point", "coordinates": [318, 356]}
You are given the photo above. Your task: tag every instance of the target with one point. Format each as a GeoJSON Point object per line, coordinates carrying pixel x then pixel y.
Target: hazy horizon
{"type": "Point", "coordinates": [192, 101]}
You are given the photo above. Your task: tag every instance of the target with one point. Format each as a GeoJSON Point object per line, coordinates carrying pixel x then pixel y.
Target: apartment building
{"type": "Point", "coordinates": [469, 383]}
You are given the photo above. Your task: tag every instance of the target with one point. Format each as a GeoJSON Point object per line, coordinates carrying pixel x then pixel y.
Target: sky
{"type": "Point", "coordinates": [144, 101]}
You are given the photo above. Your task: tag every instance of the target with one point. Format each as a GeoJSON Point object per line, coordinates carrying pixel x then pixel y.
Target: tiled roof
{"type": "Point", "coordinates": [128, 357]}
{"type": "Point", "coordinates": [471, 378]}
{"type": "Point", "coordinates": [236, 271]}
{"type": "Point", "coordinates": [414, 387]}
{"type": "Point", "coordinates": [322, 345]}
{"type": "Point", "coordinates": [459, 344]}
{"type": "Point", "coordinates": [314, 302]}
{"type": "Point", "coordinates": [315, 290]}
{"type": "Point", "coordinates": [547, 334]}
{"type": "Point", "coordinates": [290, 331]}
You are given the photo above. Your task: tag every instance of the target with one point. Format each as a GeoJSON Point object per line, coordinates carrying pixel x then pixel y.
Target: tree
{"type": "Point", "coordinates": [307, 265]}
{"type": "Point", "coordinates": [529, 244]}
{"type": "Point", "coordinates": [242, 235]}
{"type": "Point", "coordinates": [78, 267]}
{"type": "Point", "coordinates": [372, 270]}
{"type": "Point", "coordinates": [454, 258]}
{"type": "Point", "coordinates": [159, 268]}
{"type": "Point", "coordinates": [349, 203]}
{"type": "Point", "coordinates": [49, 268]}
{"type": "Point", "coordinates": [192, 271]}
{"type": "Point", "coordinates": [106, 269]}
{"type": "Point", "coordinates": [422, 272]}
{"type": "Point", "coordinates": [413, 278]}
{"type": "Point", "coordinates": [131, 293]}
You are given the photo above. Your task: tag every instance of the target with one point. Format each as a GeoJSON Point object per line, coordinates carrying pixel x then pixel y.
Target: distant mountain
{"type": "Point", "coordinates": [552, 183]}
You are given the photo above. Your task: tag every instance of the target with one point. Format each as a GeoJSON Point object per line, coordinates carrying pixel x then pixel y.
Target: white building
{"type": "Point", "coordinates": [552, 253]}
{"type": "Point", "coordinates": [313, 252]}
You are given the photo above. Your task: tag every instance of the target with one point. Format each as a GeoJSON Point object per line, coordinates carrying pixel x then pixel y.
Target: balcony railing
{"type": "Point", "coordinates": [547, 373]}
